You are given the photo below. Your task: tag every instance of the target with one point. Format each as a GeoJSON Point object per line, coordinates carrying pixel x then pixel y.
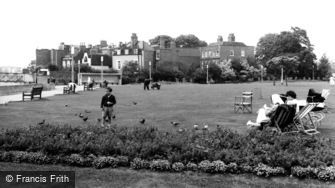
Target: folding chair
{"type": "Point", "coordinates": [303, 120]}
{"type": "Point", "coordinates": [282, 118]}
{"type": "Point", "coordinates": [244, 102]}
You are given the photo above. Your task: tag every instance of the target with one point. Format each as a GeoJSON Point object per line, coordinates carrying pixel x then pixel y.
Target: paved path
{"type": "Point", "coordinates": [18, 97]}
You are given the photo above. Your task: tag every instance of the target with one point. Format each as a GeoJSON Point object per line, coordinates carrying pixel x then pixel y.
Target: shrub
{"type": "Point", "coordinates": [178, 167]}
{"type": "Point", "coordinates": [232, 168]}
{"type": "Point", "coordinates": [264, 170]}
{"type": "Point", "coordinates": [75, 160]}
{"type": "Point", "coordinates": [304, 172]}
{"type": "Point", "coordinates": [138, 163]}
{"type": "Point", "coordinates": [123, 161]}
{"type": "Point", "coordinates": [327, 173]}
{"type": "Point", "coordinates": [103, 162]}
{"type": "Point", "coordinates": [219, 166]}
{"type": "Point", "coordinates": [160, 165]}
{"type": "Point", "coordinates": [206, 166]}
{"type": "Point", "coordinates": [191, 166]}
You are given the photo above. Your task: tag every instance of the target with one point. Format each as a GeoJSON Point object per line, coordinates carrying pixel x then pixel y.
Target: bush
{"type": "Point", "coordinates": [103, 162]}
{"type": "Point", "coordinates": [178, 167]}
{"type": "Point", "coordinates": [138, 163]}
{"type": "Point", "coordinates": [304, 172]}
{"type": "Point", "coordinates": [264, 170]}
{"type": "Point", "coordinates": [207, 166]}
{"type": "Point", "coordinates": [327, 173]}
{"type": "Point", "coordinates": [191, 166]}
{"type": "Point", "coordinates": [160, 165]}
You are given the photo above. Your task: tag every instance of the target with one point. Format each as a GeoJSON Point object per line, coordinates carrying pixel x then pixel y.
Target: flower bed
{"type": "Point", "coordinates": [222, 151]}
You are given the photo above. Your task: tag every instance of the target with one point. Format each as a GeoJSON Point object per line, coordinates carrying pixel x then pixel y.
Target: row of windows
{"type": "Point", "coordinates": [206, 54]}
{"type": "Point", "coordinates": [127, 52]}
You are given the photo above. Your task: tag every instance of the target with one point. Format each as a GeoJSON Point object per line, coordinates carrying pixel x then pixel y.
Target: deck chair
{"type": "Point", "coordinates": [243, 103]}
{"type": "Point", "coordinates": [282, 118]}
{"type": "Point", "coordinates": [304, 118]}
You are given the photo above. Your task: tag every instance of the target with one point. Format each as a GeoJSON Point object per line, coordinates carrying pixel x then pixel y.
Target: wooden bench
{"type": "Point", "coordinates": [35, 91]}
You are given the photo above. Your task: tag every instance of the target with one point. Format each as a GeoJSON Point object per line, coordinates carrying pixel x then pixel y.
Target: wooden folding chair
{"type": "Point", "coordinates": [303, 118]}
{"type": "Point", "coordinates": [282, 118]}
{"type": "Point", "coordinates": [243, 103]}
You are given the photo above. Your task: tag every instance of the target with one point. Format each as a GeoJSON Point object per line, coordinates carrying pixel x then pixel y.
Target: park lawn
{"type": "Point", "coordinates": [188, 104]}
{"type": "Point", "coordinates": [124, 177]}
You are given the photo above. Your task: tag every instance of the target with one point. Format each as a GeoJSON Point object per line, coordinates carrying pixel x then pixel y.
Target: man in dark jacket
{"type": "Point", "coordinates": [107, 103]}
{"type": "Point", "coordinates": [146, 84]}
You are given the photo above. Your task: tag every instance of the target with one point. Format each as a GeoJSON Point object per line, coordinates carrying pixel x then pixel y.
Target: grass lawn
{"type": "Point", "coordinates": [188, 104]}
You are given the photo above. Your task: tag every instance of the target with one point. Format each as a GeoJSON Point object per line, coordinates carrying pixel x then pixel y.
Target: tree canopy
{"type": "Point", "coordinates": [189, 41]}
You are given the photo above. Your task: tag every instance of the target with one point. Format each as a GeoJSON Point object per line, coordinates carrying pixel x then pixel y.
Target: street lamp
{"type": "Point", "coordinates": [207, 76]}
{"type": "Point", "coordinates": [102, 72]}
{"type": "Point", "coordinates": [150, 70]}
{"type": "Point", "coordinates": [282, 75]}
{"type": "Point", "coordinates": [72, 64]}
{"type": "Point", "coordinates": [79, 83]}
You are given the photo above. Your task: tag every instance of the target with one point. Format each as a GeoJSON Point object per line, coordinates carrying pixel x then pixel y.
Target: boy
{"type": "Point", "coordinates": [107, 103]}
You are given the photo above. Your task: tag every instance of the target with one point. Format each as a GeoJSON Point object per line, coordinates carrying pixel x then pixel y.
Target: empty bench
{"type": "Point", "coordinates": [35, 91]}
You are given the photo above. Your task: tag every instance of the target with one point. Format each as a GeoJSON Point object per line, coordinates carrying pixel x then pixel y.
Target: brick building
{"type": "Point", "coordinates": [166, 52]}
{"type": "Point", "coordinates": [136, 51]}
{"type": "Point", "coordinates": [224, 51]}
{"type": "Point", "coordinates": [43, 58]}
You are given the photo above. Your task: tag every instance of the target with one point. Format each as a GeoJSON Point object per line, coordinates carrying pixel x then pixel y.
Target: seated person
{"type": "Point", "coordinates": [265, 112]}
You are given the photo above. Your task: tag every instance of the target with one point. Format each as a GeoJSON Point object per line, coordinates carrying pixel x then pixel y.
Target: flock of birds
{"type": "Point", "coordinates": [175, 124]}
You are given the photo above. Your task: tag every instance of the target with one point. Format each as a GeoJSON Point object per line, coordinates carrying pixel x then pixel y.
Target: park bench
{"type": "Point", "coordinates": [156, 85]}
{"type": "Point", "coordinates": [35, 91]}
{"type": "Point", "coordinates": [88, 87]}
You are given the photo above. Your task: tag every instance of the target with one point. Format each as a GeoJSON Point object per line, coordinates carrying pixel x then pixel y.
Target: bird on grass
{"type": "Point", "coordinates": [85, 118]}
{"type": "Point", "coordinates": [135, 103]}
{"type": "Point", "coordinates": [66, 105]}
{"type": "Point", "coordinates": [99, 120]}
{"type": "Point", "coordinates": [142, 121]}
{"type": "Point", "coordinates": [174, 123]}
{"type": "Point", "coordinates": [195, 127]}
{"type": "Point", "coordinates": [42, 122]}
{"type": "Point", "coordinates": [113, 116]}
{"type": "Point", "coordinates": [81, 115]}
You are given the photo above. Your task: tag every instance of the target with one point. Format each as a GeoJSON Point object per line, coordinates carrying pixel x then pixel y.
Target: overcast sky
{"type": "Point", "coordinates": [30, 24]}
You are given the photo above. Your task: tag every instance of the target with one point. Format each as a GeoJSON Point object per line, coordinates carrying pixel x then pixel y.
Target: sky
{"type": "Point", "coordinates": [27, 25]}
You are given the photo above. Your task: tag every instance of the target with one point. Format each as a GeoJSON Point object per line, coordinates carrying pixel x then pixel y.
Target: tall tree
{"type": "Point", "coordinates": [155, 41]}
{"type": "Point", "coordinates": [189, 41]}
{"type": "Point", "coordinates": [324, 67]}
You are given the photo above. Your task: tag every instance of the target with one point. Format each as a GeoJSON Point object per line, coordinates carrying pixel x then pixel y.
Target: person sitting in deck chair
{"type": "Point", "coordinates": [264, 114]}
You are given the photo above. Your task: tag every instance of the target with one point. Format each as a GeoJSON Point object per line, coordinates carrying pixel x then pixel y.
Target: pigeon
{"type": "Point", "coordinates": [42, 122]}
{"type": "Point", "coordinates": [142, 121]}
{"type": "Point", "coordinates": [87, 111]}
{"type": "Point", "coordinates": [174, 123]}
{"type": "Point", "coordinates": [81, 115]}
{"type": "Point", "coordinates": [205, 127]}
{"type": "Point", "coordinates": [85, 118]}
{"type": "Point", "coordinates": [196, 127]}
{"type": "Point", "coordinates": [99, 120]}
{"type": "Point", "coordinates": [181, 130]}
{"type": "Point", "coordinates": [135, 103]}
{"type": "Point", "coordinates": [66, 105]}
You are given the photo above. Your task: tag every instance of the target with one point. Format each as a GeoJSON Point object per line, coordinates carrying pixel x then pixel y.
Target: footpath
{"type": "Point", "coordinates": [18, 97]}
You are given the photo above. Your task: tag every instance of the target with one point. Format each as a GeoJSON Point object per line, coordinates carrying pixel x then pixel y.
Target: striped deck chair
{"type": "Point", "coordinates": [304, 113]}
{"type": "Point", "coordinates": [283, 117]}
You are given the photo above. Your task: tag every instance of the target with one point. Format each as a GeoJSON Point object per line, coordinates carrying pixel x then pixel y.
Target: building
{"type": "Point", "coordinates": [224, 51]}
{"type": "Point", "coordinates": [43, 58]}
{"type": "Point", "coordinates": [168, 52]}
{"type": "Point", "coordinates": [136, 51]}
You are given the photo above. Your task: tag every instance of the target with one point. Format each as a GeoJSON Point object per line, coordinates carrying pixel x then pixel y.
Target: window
{"type": "Point", "coordinates": [231, 53]}
{"type": "Point", "coordinates": [118, 52]}
{"type": "Point", "coordinates": [126, 51]}
{"type": "Point", "coordinates": [242, 53]}
{"type": "Point", "coordinates": [135, 51]}
{"type": "Point", "coordinates": [206, 54]}
{"type": "Point", "coordinates": [217, 53]}
{"type": "Point", "coordinates": [203, 54]}
{"type": "Point", "coordinates": [119, 65]}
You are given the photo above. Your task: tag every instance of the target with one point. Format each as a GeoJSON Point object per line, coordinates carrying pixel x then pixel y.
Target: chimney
{"type": "Point", "coordinates": [134, 40]}
{"type": "Point", "coordinates": [231, 37]}
{"type": "Point", "coordinates": [220, 39]}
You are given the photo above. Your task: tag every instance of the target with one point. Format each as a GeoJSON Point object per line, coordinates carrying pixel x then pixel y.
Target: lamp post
{"type": "Point", "coordinates": [72, 64]}
{"type": "Point", "coordinates": [150, 70]}
{"type": "Point", "coordinates": [313, 70]}
{"type": "Point", "coordinates": [79, 82]}
{"type": "Point", "coordinates": [282, 75]}
{"type": "Point", "coordinates": [102, 72]}
{"type": "Point", "coordinates": [207, 76]}
{"type": "Point", "coordinates": [262, 73]}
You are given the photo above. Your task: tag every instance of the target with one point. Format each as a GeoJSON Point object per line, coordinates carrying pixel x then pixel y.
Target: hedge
{"type": "Point", "coordinates": [265, 153]}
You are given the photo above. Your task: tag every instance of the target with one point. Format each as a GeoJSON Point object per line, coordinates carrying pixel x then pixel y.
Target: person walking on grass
{"type": "Point", "coordinates": [146, 84]}
{"type": "Point", "coordinates": [107, 103]}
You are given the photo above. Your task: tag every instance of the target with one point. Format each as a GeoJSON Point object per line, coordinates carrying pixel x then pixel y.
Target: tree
{"type": "Point", "coordinates": [214, 72]}
{"type": "Point", "coordinates": [156, 40]}
{"type": "Point", "coordinates": [289, 64]}
{"type": "Point", "coordinates": [53, 68]}
{"type": "Point", "coordinates": [199, 76]}
{"type": "Point", "coordinates": [130, 72]}
{"type": "Point", "coordinates": [324, 68]}
{"type": "Point", "coordinates": [189, 41]}
{"type": "Point", "coordinates": [287, 42]}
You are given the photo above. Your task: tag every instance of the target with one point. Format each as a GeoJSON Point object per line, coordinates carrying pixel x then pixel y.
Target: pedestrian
{"type": "Point", "coordinates": [146, 84]}
{"type": "Point", "coordinates": [107, 103]}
